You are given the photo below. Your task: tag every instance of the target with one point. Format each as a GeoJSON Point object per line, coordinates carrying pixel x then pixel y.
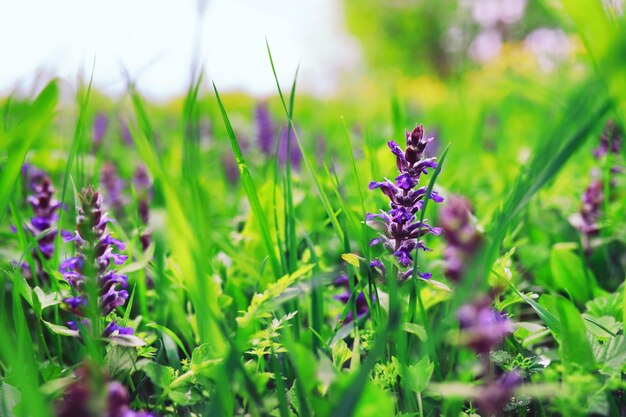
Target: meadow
{"type": "Point", "coordinates": [439, 247]}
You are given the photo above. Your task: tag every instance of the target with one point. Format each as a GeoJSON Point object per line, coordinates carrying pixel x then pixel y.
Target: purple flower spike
{"type": "Point", "coordinates": [100, 125]}
{"type": "Point", "coordinates": [399, 226]}
{"type": "Point", "coordinates": [464, 241]}
{"type": "Point", "coordinates": [361, 305]}
{"type": "Point", "coordinates": [482, 327]}
{"type": "Point", "coordinates": [493, 396]}
{"type": "Point", "coordinates": [91, 237]}
{"type": "Point", "coordinates": [265, 129]}
{"type": "Point", "coordinates": [295, 155]}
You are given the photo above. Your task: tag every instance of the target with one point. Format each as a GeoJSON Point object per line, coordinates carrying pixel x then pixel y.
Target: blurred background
{"type": "Point", "coordinates": [341, 46]}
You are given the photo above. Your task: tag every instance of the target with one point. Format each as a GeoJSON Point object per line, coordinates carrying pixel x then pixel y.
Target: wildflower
{"type": "Point", "coordinates": [143, 188]}
{"type": "Point", "coordinates": [360, 301]}
{"type": "Point", "coordinates": [114, 187]}
{"type": "Point", "coordinates": [587, 220]}
{"type": "Point", "coordinates": [460, 232]}
{"type": "Point", "coordinates": [610, 141]}
{"type": "Point", "coordinates": [482, 327]}
{"type": "Point", "coordinates": [265, 129]}
{"type": "Point", "coordinates": [91, 237]}
{"type": "Point", "coordinates": [400, 228]}
{"type": "Point", "coordinates": [125, 134]}
{"type": "Point", "coordinates": [288, 140]}
{"type": "Point", "coordinates": [83, 399]}
{"type": "Point", "coordinates": [99, 129]}
{"type": "Point", "coordinates": [495, 395]}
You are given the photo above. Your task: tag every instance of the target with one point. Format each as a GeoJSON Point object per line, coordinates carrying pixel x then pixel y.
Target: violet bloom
{"type": "Point", "coordinates": [92, 237]}
{"type": "Point", "coordinates": [288, 136]}
{"type": "Point", "coordinates": [125, 134]}
{"type": "Point", "coordinates": [143, 188]}
{"type": "Point", "coordinates": [482, 327]}
{"type": "Point", "coordinates": [400, 227]}
{"type": "Point", "coordinates": [361, 305]}
{"type": "Point", "coordinates": [83, 399]}
{"type": "Point", "coordinates": [610, 141]}
{"type": "Point", "coordinates": [460, 231]}
{"type": "Point", "coordinates": [114, 187]}
{"type": "Point", "coordinates": [100, 125]}
{"type": "Point", "coordinates": [495, 395]}
{"type": "Point", "coordinates": [265, 129]}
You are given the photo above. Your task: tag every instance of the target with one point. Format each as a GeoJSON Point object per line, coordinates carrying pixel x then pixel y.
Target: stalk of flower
{"type": "Point", "coordinates": [92, 267]}
{"type": "Point", "coordinates": [463, 238]}
{"type": "Point", "coordinates": [265, 129]}
{"type": "Point", "coordinates": [399, 226]}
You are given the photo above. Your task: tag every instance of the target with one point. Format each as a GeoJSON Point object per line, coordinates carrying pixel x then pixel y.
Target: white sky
{"type": "Point", "coordinates": [154, 41]}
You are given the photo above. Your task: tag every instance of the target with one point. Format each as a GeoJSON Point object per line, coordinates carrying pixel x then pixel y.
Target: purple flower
{"type": "Point", "coordinates": [91, 237]}
{"type": "Point", "coordinates": [610, 141]}
{"type": "Point", "coordinates": [114, 187]}
{"type": "Point", "coordinates": [482, 327]}
{"type": "Point", "coordinates": [125, 134]}
{"type": "Point", "coordinates": [493, 396]}
{"type": "Point", "coordinates": [288, 139]}
{"type": "Point", "coordinates": [360, 301]}
{"type": "Point", "coordinates": [463, 239]}
{"type": "Point", "coordinates": [265, 129]}
{"type": "Point", "coordinates": [43, 225]}
{"type": "Point", "coordinates": [143, 188]}
{"type": "Point", "coordinates": [100, 125]}
{"type": "Point", "coordinates": [83, 398]}
{"type": "Point", "coordinates": [400, 228]}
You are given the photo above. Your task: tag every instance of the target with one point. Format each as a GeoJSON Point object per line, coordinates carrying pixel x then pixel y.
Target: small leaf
{"type": "Point", "coordinates": [127, 340]}
{"type": "Point", "coordinates": [352, 259]}
{"type": "Point", "coordinates": [60, 330]}
{"type": "Point", "coordinates": [415, 329]}
{"type": "Point", "coordinates": [161, 376]}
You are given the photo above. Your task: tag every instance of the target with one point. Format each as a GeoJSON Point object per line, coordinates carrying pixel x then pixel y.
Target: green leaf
{"type": "Point", "coordinates": [574, 345]}
{"type": "Point", "coordinates": [341, 353]}
{"type": "Point", "coordinates": [611, 355]}
{"type": "Point", "coordinates": [415, 329]}
{"type": "Point", "coordinates": [60, 330]}
{"type": "Point", "coordinates": [374, 402]}
{"type": "Point", "coordinates": [568, 273]}
{"type": "Point", "coordinates": [9, 398]}
{"type": "Point", "coordinates": [416, 377]}
{"type": "Point", "coordinates": [161, 376]}
{"type": "Point", "coordinates": [184, 396]}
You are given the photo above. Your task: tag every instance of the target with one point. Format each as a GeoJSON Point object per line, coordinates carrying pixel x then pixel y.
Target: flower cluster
{"type": "Point", "coordinates": [265, 129]}
{"type": "Point", "coordinates": [362, 308]}
{"type": "Point", "coordinates": [460, 231]}
{"type": "Point", "coordinates": [143, 188]}
{"type": "Point", "coordinates": [114, 187]}
{"type": "Point", "coordinates": [288, 148]}
{"type": "Point", "coordinates": [587, 220]}
{"type": "Point", "coordinates": [482, 327]}
{"type": "Point", "coordinates": [99, 129]}
{"type": "Point", "coordinates": [91, 237]}
{"type": "Point", "coordinates": [400, 227]}
{"type": "Point", "coordinates": [80, 399]}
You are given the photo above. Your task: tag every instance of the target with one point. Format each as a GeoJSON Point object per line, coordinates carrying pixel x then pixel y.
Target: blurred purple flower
{"type": "Point", "coordinates": [460, 231]}
{"type": "Point", "coordinates": [125, 134]}
{"type": "Point", "coordinates": [80, 399]}
{"type": "Point", "coordinates": [99, 129]}
{"type": "Point", "coordinates": [400, 229]}
{"type": "Point", "coordinates": [482, 327]}
{"type": "Point", "coordinates": [495, 395]}
{"type": "Point", "coordinates": [360, 301]}
{"type": "Point", "coordinates": [143, 188]}
{"type": "Point", "coordinates": [91, 236]}
{"type": "Point", "coordinates": [288, 139]}
{"type": "Point", "coordinates": [114, 187]}
{"type": "Point", "coordinates": [265, 129]}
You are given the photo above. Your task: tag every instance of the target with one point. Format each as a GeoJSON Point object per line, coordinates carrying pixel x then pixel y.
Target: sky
{"type": "Point", "coordinates": [156, 42]}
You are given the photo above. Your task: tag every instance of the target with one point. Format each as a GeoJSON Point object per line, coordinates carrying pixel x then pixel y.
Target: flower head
{"type": "Point", "coordinates": [288, 148]}
{"type": "Point", "coordinates": [460, 232]}
{"type": "Point", "coordinates": [493, 396]}
{"type": "Point", "coordinates": [482, 327]}
{"type": "Point", "coordinates": [362, 308]}
{"type": "Point", "coordinates": [265, 129]}
{"type": "Point", "coordinates": [399, 226]}
{"type": "Point", "coordinates": [92, 237]}
{"type": "Point", "coordinates": [100, 125]}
